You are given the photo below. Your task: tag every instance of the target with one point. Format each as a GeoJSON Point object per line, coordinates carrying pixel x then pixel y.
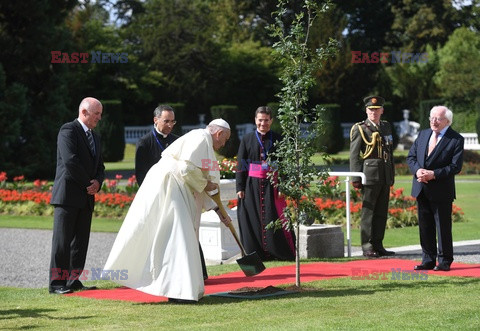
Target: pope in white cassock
{"type": "Point", "coordinates": [158, 241]}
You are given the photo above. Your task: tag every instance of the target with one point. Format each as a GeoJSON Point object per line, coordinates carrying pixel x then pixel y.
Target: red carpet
{"type": "Point", "coordinates": [359, 269]}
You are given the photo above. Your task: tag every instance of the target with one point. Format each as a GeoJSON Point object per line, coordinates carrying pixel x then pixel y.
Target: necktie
{"type": "Point", "coordinates": [91, 143]}
{"type": "Point", "coordinates": [433, 143]}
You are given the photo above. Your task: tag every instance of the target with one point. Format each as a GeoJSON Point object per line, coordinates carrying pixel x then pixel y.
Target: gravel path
{"type": "Point", "coordinates": [25, 255]}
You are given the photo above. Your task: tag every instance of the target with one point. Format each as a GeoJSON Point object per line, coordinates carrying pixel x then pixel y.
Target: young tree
{"type": "Point", "coordinates": [300, 125]}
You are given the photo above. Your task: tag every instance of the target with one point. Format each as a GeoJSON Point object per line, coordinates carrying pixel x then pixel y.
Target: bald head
{"type": "Point", "coordinates": [90, 112]}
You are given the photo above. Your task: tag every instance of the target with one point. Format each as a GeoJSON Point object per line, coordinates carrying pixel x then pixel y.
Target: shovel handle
{"type": "Point", "coordinates": [216, 197]}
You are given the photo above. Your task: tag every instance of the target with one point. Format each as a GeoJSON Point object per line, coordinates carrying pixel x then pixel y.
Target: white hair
{"type": "Point", "coordinates": [448, 113]}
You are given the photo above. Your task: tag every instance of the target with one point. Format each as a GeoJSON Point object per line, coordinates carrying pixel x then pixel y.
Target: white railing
{"type": "Point", "coordinates": [347, 176]}
{"type": "Point", "coordinates": [188, 128]}
{"type": "Point", "coordinates": [133, 133]}
{"type": "Point", "coordinates": [242, 129]}
{"type": "Point", "coordinates": [471, 141]}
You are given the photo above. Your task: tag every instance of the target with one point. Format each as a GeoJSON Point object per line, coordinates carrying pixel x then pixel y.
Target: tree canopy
{"type": "Point", "coordinates": [203, 53]}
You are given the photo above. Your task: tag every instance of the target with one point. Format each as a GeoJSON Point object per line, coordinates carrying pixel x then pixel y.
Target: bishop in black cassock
{"type": "Point", "coordinates": [258, 207]}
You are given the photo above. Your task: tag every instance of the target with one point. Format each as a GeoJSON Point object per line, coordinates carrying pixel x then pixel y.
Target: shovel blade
{"type": "Point", "coordinates": [251, 264]}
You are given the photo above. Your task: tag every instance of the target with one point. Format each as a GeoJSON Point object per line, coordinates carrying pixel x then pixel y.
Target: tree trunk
{"type": "Point", "coordinates": [297, 256]}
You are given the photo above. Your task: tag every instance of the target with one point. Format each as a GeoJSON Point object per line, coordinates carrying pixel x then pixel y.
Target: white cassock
{"type": "Point", "coordinates": [157, 244]}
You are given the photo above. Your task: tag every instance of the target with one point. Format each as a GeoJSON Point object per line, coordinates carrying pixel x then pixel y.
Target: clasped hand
{"type": "Point", "coordinates": [424, 175]}
{"type": "Point", "coordinates": [94, 187]}
{"type": "Point", "coordinates": [357, 185]}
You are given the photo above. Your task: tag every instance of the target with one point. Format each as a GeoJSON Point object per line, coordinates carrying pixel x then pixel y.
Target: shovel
{"type": "Point", "coordinates": [251, 264]}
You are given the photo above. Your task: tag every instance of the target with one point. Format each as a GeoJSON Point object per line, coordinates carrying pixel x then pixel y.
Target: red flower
{"type": "Point", "coordinates": [18, 178]}
{"type": "Point", "coordinates": [132, 180]}
{"type": "Point", "coordinates": [232, 203]}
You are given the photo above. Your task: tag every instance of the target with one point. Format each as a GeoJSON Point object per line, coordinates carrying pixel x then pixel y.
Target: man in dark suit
{"type": "Point", "coordinates": [434, 159]}
{"type": "Point", "coordinates": [79, 175]}
{"type": "Point", "coordinates": [150, 146]}
{"type": "Point", "coordinates": [371, 152]}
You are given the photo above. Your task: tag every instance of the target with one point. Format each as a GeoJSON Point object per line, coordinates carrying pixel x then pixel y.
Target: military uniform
{"type": "Point", "coordinates": [371, 152]}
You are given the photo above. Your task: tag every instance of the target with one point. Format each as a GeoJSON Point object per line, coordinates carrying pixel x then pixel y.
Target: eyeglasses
{"type": "Point", "coordinates": [436, 119]}
{"type": "Point", "coordinates": [169, 121]}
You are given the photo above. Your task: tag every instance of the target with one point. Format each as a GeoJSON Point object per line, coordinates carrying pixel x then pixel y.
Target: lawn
{"type": "Point", "coordinates": [468, 195]}
{"type": "Point", "coordinates": [128, 162]}
{"type": "Point", "coordinates": [343, 303]}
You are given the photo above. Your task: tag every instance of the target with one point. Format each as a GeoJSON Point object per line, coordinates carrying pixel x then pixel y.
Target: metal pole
{"type": "Point", "coordinates": [347, 200]}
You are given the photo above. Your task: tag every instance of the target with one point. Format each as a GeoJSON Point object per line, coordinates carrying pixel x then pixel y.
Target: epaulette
{"type": "Point", "coordinates": [353, 126]}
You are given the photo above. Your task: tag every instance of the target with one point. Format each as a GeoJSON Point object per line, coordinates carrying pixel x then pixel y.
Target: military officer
{"type": "Point", "coordinates": [371, 152]}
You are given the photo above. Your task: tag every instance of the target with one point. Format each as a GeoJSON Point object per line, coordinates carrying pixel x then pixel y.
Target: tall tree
{"type": "Point", "coordinates": [13, 107]}
{"type": "Point", "coordinates": [419, 23]}
{"type": "Point", "coordinates": [411, 83]}
{"type": "Point", "coordinates": [175, 39]}
{"type": "Point", "coordinates": [29, 31]}
{"type": "Point", "coordinates": [366, 31]}
{"type": "Point", "coordinates": [459, 68]}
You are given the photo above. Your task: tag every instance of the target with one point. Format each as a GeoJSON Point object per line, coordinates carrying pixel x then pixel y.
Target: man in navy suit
{"type": "Point", "coordinates": [434, 159]}
{"type": "Point", "coordinates": [79, 175]}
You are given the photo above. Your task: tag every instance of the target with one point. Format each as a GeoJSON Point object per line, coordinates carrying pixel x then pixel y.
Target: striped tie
{"type": "Point", "coordinates": [91, 143]}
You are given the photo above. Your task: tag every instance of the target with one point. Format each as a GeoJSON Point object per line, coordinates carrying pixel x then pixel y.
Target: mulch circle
{"type": "Point", "coordinates": [246, 291]}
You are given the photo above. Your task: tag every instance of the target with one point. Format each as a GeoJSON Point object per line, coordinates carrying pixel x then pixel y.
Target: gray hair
{"type": "Point", "coordinates": [448, 113]}
{"type": "Point", "coordinates": [160, 109]}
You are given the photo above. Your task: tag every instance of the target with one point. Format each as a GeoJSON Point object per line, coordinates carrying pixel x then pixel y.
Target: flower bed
{"type": "Point", "coordinates": [115, 197]}
{"type": "Point", "coordinates": [402, 210]}
{"type": "Point", "coordinates": [21, 198]}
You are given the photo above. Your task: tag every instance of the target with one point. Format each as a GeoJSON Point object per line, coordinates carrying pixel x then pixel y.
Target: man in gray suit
{"type": "Point", "coordinates": [434, 159]}
{"type": "Point", "coordinates": [79, 175]}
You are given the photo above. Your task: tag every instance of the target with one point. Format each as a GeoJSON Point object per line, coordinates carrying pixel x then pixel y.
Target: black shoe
{"type": "Point", "coordinates": [84, 288]}
{"type": "Point", "coordinates": [181, 301]}
{"type": "Point", "coordinates": [442, 267]}
{"type": "Point", "coordinates": [371, 254]}
{"type": "Point", "coordinates": [61, 290]}
{"type": "Point", "coordinates": [425, 266]}
{"type": "Point", "coordinates": [384, 252]}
